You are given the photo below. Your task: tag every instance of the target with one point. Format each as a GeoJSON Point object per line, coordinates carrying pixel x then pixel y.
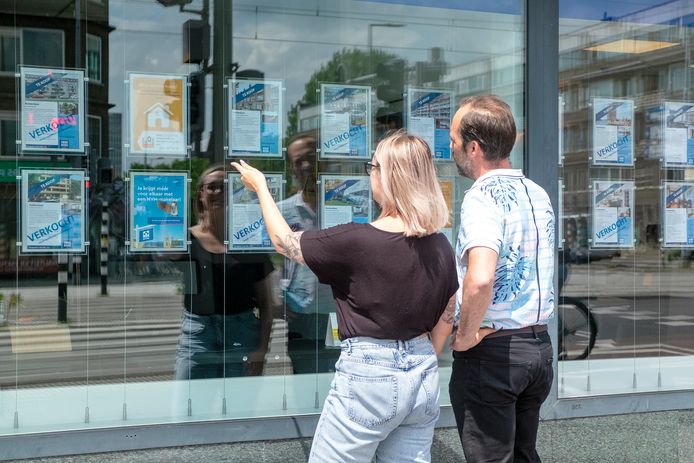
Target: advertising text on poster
{"type": "Point", "coordinates": [246, 226]}
{"type": "Point", "coordinates": [158, 211]}
{"type": "Point", "coordinates": [53, 209]}
{"type": "Point", "coordinates": [52, 110]}
{"type": "Point", "coordinates": [157, 117]}
{"type": "Point", "coordinates": [255, 117]}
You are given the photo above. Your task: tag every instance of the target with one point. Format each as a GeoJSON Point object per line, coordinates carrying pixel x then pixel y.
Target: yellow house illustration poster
{"type": "Point", "coordinates": [157, 114]}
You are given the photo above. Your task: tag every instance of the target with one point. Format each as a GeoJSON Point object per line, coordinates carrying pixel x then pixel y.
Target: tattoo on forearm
{"type": "Point", "coordinates": [449, 313]}
{"type": "Point", "coordinates": [290, 246]}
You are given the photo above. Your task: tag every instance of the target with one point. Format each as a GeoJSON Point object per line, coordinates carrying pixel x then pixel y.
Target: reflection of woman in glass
{"type": "Point", "coordinates": [391, 279]}
{"type": "Point", "coordinates": [227, 318]}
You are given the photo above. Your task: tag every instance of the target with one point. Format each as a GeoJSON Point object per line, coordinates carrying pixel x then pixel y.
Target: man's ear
{"type": "Point", "coordinates": [475, 149]}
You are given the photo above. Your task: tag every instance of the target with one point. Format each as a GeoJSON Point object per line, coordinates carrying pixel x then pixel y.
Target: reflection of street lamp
{"type": "Point", "coordinates": [370, 37]}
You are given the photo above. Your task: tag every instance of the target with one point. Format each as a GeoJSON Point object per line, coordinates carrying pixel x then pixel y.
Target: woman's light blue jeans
{"type": "Point", "coordinates": [383, 402]}
{"type": "Point", "coordinates": [215, 346]}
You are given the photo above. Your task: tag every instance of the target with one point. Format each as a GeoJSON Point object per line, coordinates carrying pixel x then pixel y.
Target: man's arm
{"type": "Point", "coordinates": [444, 327]}
{"type": "Point", "coordinates": [477, 295]}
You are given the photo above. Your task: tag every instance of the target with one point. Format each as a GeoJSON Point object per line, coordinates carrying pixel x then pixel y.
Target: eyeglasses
{"type": "Point", "coordinates": [369, 166]}
{"type": "Point", "coordinates": [213, 187]}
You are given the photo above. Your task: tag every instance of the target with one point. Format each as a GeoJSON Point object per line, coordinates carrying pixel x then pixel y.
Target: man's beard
{"type": "Point", "coordinates": [464, 168]}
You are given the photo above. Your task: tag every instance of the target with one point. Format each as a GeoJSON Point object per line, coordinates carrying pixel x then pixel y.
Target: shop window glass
{"type": "Point", "coordinates": [625, 269]}
{"type": "Point", "coordinates": [118, 344]}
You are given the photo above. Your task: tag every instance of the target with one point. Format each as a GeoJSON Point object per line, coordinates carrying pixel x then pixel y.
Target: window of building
{"type": "Point", "coordinates": [9, 50]}
{"type": "Point", "coordinates": [93, 59]}
{"type": "Point", "coordinates": [8, 137]}
{"type": "Point", "coordinates": [43, 47]}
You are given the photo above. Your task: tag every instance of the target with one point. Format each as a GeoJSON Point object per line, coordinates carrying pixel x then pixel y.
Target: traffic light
{"type": "Point", "coordinates": [391, 74]}
{"type": "Point", "coordinates": [196, 103]}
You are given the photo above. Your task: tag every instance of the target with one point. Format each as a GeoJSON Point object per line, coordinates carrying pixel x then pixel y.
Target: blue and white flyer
{"type": "Point", "coordinates": [613, 132]}
{"type": "Point", "coordinates": [678, 134]}
{"type": "Point", "coordinates": [345, 199]}
{"type": "Point", "coordinates": [255, 117]}
{"type": "Point", "coordinates": [429, 116]}
{"type": "Point", "coordinates": [158, 212]}
{"type": "Point", "coordinates": [678, 212]}
{"type": "Point", "coordinates": [247, 230]}
{"type": "Point", "coordinates": [345, 130]}
{"type": "Point", "coordinates": [53, 210]}
{"type": "Point", "coordinates": [613, 208]}
{"type": "Point", "coordinates": [52, 110]}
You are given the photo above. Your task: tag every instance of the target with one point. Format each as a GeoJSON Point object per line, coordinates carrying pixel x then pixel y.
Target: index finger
{"type": "Point", "coordinates": [237, 166]}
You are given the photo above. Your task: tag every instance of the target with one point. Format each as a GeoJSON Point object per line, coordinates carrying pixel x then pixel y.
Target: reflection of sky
{"type": "Point", "coordinates": [291, 43]}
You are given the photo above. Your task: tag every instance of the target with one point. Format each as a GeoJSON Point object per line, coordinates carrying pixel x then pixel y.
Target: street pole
{"type": "Point", "coordinates": [104, 248]}
{"type": "Point", "coordinates": [62, 288]}
{"type": "Point", "coordinates": [222, 54]}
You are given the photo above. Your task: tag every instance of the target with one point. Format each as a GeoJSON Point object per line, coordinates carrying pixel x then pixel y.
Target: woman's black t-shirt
{"type": "Point", "coordinates": [386, 285]}
{"type": "Point", "coordinates": [223, 284]}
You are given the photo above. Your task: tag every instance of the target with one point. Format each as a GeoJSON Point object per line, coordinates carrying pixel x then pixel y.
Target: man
{"type": "Point", "coordinates": [308, 303]}
{"type": "Point", "coordinates": [502, 367]}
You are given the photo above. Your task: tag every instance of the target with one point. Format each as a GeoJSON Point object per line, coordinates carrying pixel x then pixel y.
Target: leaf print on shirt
{"type": "Point", "coordinates": [511, 272]}
{"type": "Point", "coordinates": [502, 191]}
{"type": "Point", "coordinates": [550, 228]}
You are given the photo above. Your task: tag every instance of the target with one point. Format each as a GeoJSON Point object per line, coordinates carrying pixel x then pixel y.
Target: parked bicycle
{"type": "Point", "coordinates": [577, 329]}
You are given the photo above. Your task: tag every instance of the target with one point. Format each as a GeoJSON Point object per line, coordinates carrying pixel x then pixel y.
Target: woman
{"type": "Point", "coordinates": [227, 318]}
{"type": "Point", "coordinates": [391, 280]}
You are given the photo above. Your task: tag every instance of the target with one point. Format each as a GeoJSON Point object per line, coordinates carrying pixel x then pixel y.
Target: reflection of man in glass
{"type": "Point", "coordinates": [308, 303]}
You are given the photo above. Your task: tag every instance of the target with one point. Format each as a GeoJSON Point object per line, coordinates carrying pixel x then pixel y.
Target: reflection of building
{"type": "Point", "coordinates": [115, 143]}
{"type": "Point", "coordinates": [42, 34]}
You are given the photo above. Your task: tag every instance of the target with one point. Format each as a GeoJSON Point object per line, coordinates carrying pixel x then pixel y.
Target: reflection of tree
{"type": "Point", "coordinates": [343, 66]}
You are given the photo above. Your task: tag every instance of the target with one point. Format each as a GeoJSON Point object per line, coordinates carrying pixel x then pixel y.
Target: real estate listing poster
{"type": "Point", "coordinates": [613, 212]}
{"type": "Point", "coordinates": [448, 189]}
{"type": "Point", "coordinates": [255, 117]}
{"type": "Point", "coordinates": [613, 132]}
{"type": "Point", "coordinates": [52, 110]}
{"type": "Point", "coordinates": [246, 225]}
{"type": "Point", "coordinates": [53, 211]}
{"type": "Point", "coordinates": [158, 211]}
{"type": "Point", "coordinates": [345, 198]}
{"type": "Point", "coordinates": [157, 114]}
{"type": "Point", "coordinates": [429, 116]}
{"type": "Point", "coordinates": [678, 134]}
{"type": "Point", "coordinates": [678, 214]}
{"type": "Point", "coordinates": [345, 129]}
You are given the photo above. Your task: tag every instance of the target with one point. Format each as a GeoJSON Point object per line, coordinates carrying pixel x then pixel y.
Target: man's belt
{"type": "Point", "coordinates": [536, 329]}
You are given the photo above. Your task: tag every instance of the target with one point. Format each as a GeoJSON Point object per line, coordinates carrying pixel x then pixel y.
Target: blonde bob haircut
{"type": "Point", "coordinates": [409, 185]}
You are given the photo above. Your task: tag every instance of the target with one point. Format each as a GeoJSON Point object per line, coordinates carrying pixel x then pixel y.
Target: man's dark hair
{"type": "Point", "coordinates": [490, 123]}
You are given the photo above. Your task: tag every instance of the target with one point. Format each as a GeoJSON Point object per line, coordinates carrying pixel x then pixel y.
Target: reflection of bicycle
{"type": "Point", "coordinates": [577, 329]}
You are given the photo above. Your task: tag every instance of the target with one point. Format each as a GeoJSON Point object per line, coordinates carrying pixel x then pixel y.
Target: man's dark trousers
{"type": "Point", "coordinates": [496, 390]}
